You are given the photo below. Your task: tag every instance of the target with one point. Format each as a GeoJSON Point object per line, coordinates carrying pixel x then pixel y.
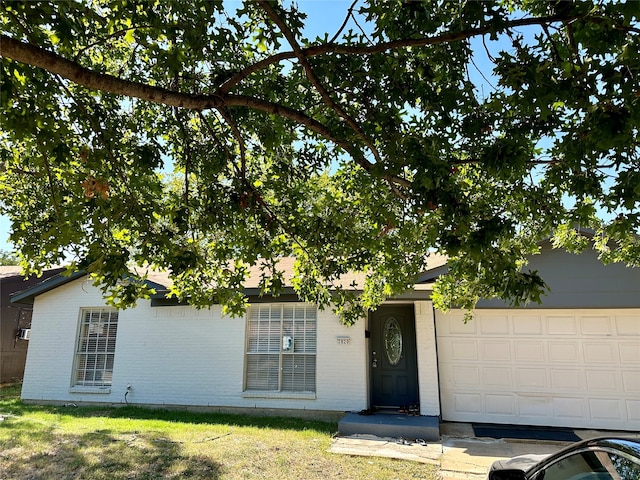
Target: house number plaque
{"type": "Point", "coordinates": [343, 340]}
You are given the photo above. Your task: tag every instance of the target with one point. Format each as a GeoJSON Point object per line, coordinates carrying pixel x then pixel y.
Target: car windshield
{"type": "Point", "coordinates": [592, 465]}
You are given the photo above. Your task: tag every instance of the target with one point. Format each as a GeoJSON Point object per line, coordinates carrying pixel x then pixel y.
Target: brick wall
{"type": "Point", "coordinates": [181, 356]}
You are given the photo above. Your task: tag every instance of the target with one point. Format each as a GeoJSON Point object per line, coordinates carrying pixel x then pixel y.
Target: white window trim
{"type": "Point", "coordinates": [273, 394]}
{"type": "Point", "coordinates": [92, 390]}
{"type": "Point", "coordinates": [276, 394]}
{"type": "Point", "coordinates": [88, 389]}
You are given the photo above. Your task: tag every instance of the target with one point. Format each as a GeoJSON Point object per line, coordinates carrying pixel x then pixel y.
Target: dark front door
{"type": "Point", "coordinates": [393, 357]}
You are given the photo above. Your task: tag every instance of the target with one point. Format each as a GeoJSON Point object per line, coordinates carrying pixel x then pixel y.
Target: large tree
{"type": "Point", "coordinates": [7, 258]}
{"type": "Point", "coordinates": [203, 138]}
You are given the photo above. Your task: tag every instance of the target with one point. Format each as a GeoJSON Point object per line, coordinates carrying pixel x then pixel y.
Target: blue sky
{"type": "Point", "coordinates": [4, 233]}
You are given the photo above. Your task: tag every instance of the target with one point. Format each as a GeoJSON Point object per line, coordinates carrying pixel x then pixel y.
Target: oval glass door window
{"type": "Point", "coordinates": [393, 341]}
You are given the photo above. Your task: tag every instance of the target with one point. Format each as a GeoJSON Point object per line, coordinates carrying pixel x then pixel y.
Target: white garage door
{"type": "Point", "coordinates": [573, 368]}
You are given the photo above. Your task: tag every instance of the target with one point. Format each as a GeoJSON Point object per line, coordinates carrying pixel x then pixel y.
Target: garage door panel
{"type": "Point", "coordinates": [467, 403]}
{"type": "Point", "coordinates": [629, 353]}
{"type": "Point", "coordinates": [536, 407]}
{"type": "Point", "coordinates": [602, 380]}
{"type": "Point", "coordinates": [531, 378]}
{"type": "Point", "coordinates": [596, 325]}
{"type": "Point", "coordinates": [497, 377]}
{"type": "Point", "coordinates": [458, 326]}
{"type": "Point", "coordinates": [633, 410]}
{"type": "Point", "coordinates": [566, 379]}
{"type": "Point", "coordinates": [498, 325]}
{"type": "Point", "coordinates": [496, 351]}
{"type": "Point", "coordinates": [575, 368]}
{"type": "Point", "coordinates": [459, 377]}
{"type": "Point", "coordinates": [466, 376]}
{"type": "Point", "coordinates": [463, 350]}
{"type": "Point", "coordinates": [561, 325]}
{"type": "Point", "coordinates": [564, 352]}
{"type": "Point", "coordinates": [527, 325]}
{"type": "Point", "coordinates": [631, 381]}
{"type": "Point", "coordinates": [605, 409]}
{"type": "Point", "coordinates": [500, 405]}
{"type": "Point", "coordinates": [569, 407]}
{"type": "Point", "coordinates": [601, 353]}
{"type": "Point", "coordinates": [627, 325]}
{"type": "Point", "coordinates": [529, 351]}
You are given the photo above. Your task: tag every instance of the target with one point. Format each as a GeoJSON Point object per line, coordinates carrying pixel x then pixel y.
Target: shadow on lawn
{"type": "Point", "coordinates": [98, 455]}
{"type": "Point", "coordinates": [36, 447]}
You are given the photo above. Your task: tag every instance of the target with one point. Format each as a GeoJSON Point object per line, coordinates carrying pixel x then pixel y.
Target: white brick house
{"type": "Point", "coordinates": [572, 361]}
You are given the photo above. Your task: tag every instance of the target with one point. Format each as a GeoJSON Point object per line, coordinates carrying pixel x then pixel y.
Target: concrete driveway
{"type": "Point", "coordinates": [459, 454]}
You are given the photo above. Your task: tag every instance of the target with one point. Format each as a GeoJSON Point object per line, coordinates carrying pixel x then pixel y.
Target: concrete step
{"type": "Point", "coordinates": [391, 425]}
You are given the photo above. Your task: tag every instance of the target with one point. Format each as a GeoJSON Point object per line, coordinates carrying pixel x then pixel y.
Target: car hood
{"type": "Point", "coordinates": [522, 462]}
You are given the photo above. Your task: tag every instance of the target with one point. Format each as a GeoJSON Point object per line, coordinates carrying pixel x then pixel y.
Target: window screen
{"type": "Point", "coordinates": [281, 348]}
{"type": "Point", "coordinates": [96, 347]}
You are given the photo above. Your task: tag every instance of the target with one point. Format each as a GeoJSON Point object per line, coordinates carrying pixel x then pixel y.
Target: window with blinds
{"type": "Point", "coordinates": [96, 347]}
{"type": "Point", "coordinates": [281, 348]}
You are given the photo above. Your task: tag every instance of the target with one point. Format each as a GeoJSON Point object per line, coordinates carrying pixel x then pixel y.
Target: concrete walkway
{"type": "Point", "coordinates": [459, 454]}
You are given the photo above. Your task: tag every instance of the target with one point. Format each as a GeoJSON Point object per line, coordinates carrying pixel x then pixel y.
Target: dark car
{"type": "Point", "coordinates": [595, 459]}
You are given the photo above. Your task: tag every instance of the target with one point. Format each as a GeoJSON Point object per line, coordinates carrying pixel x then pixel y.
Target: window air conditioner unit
{"type": "Point", "coordinates": [24, 334]}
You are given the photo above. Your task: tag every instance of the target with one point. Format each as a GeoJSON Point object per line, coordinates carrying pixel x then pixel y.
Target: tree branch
{"type": "Point", "coordinates": [315, 81]}
{"type": "Point", "coordinates": [238, 136]}
{"type": "Point", "coordinates": [57, 65]}
{"type": "Point", "coordinates": [574, 45]}
{"type": "Point", "coordinates": [228, 85]}
{"type": "Point", "coordinates": [53, 63]}
{"type": "Point", "coordinates": [52, 189]}
{"type": "Point", "coordinates": [216, 137]}
{"type": "Point", "coordinates": [21, 171]}
{"type": "Point", "coordinates": [187, 166]}
{"type": "Point", "coordinates": [344, 23]}
{"type": "Point", "coordinates": [393, 45]}
{"type": "Point", "coordinates": [554, 47]}
{"type": "Point", "coordinates": [533, 161]}
{"type": "Point", "coordinates": [113, 35]}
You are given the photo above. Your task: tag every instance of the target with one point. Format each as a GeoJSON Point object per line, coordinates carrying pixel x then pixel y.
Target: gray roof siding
{"type": "Point", "coordinates": [27, 295]}
{"type": "Point", "coordinates": [581, 281]}
{"type": "Point", "coordinates": [575, 281]}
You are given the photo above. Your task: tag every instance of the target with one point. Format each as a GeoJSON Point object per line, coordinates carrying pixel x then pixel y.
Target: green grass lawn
{"type": "Point", "coordinates": [47, 442]}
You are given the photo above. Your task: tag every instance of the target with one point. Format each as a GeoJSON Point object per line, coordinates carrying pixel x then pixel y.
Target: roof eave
{"type": "Point", "coordinates": [27, 295]}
